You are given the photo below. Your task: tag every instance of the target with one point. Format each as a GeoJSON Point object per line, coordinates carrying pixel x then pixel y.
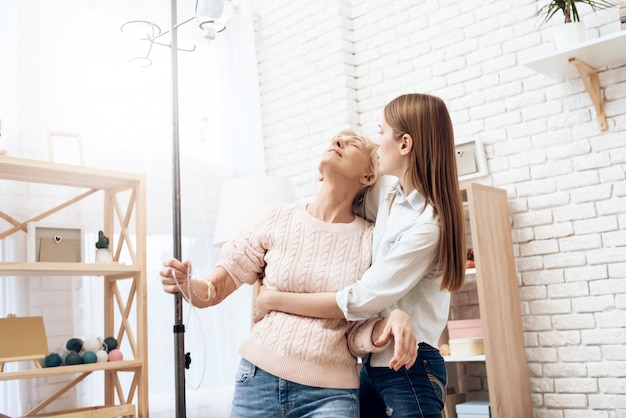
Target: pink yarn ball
{"type": "Point", "coordinates": [116, 355]}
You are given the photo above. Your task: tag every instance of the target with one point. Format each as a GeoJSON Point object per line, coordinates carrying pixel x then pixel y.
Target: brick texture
{"type": "Point", "coordinates": [564, 177]}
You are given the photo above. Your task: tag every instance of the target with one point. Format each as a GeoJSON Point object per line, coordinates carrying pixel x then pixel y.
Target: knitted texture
{"type": "Point", "coordinates": [296, 252]}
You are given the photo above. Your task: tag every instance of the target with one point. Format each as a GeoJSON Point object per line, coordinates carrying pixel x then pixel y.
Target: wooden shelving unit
{"type": "Point", "coordinates": [125, 316]}
{"type": "Point", "coordinates": [498, 299]}
{"type": "Point", "coordinates": [585, 60]}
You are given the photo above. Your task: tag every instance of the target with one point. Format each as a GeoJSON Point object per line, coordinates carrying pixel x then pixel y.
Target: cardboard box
{"type": "Point", "coordinates": [465, 328]}
{"type": "Point", "coordinates": [466, 346]}
{"type": "Point", "coordinates": [473, 409]}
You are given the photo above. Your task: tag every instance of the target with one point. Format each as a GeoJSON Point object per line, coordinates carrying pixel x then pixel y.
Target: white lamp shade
{"type": "Point", "coordinates": [242, 199]}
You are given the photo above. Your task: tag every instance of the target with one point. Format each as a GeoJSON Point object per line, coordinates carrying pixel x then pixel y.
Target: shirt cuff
{"type": "Point", "coordinates": [342, 297]}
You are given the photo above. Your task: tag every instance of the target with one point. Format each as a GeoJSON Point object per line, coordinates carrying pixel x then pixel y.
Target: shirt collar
{"type": "Point", "coordinates": [413, 199]}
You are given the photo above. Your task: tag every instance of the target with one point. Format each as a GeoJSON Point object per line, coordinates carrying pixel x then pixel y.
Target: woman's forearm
{"type": "Point", "coordinates": [316, 305]}
{"type": "Point", "coordinates": [211, 290]}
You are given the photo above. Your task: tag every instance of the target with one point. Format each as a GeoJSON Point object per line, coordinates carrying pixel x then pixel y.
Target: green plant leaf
{"type": "Point", "coordinates": [569, 9]}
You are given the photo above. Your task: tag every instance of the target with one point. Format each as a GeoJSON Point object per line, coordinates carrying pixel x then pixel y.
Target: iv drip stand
{"type": "Point", "coordinates": [179, 327]}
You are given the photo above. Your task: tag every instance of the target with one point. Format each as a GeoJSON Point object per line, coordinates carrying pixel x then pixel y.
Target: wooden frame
{"type": "Point", "coordinates": [54, 243]}
{"type": "Point", "coordinates": [470, 159]}
{"type": "Point", "coordinates": [65, 148]}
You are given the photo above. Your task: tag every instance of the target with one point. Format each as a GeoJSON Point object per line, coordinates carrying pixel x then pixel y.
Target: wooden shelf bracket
{"type": "Point", "coordinates": [590, 79]}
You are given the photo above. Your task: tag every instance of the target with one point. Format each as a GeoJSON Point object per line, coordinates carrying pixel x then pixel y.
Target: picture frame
{"type": "Point", "coordinates": [54, 243]}
{"type": "Point", "coordinates": [65, 148]}
{"type": "Point", "coordinates": [470, 159]}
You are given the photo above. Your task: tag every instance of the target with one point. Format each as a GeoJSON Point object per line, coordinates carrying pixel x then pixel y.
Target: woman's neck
{"type": "Point", "coordinates": [332, 205]}
{"type": "Point", "coordinates": [406, 184]}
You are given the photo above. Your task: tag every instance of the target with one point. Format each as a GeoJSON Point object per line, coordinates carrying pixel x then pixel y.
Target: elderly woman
{"type": "Point", "coordinates": [296, 365]}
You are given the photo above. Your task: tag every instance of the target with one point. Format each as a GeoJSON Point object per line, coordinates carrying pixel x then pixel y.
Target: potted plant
{"type": "Point", "coordinates": [103, 253]}
{"type": "Point", "coordinates": [572, 31]}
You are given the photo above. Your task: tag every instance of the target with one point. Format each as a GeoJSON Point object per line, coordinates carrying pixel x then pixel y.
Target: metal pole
{"type": "Point", "coordinates": [179, 327]}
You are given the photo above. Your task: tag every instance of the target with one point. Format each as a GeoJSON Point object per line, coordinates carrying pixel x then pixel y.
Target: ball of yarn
{"type": "Point", "coordinates": [111, 343]}
{"type": "Point", "coordinates": [92, 344]}
{"type": "Point", "coordinates": [52, 360]}
{"type": "Point", "coordinates": [89, 357]}
{"type": "Point", "coordinates": [73, 358]}
{"type": "Point", "coordinates": [102, 355]}
{"type": "Point", "coordinates": [75, 345]}
{"type": "Point", "coordinates": [115, 355]}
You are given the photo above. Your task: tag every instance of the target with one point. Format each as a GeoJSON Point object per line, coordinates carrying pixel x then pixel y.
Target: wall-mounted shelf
{"type": "Point", "coordinates": [584, 60]}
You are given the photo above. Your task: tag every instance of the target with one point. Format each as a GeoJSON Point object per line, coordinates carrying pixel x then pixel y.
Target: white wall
{"type": "Point", "coordinates": [323, 64]}
{"type": "Point", "coordinates": [63, 66]}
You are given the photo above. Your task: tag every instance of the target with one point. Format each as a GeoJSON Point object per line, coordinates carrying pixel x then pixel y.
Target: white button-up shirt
{"type": "Point", "coordinates": [403, 272]}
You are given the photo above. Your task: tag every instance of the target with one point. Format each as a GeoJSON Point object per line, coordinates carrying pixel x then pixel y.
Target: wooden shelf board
{"type": "Point", "coordinates": [601, 52]}
{"type": "Point", "coordinates": [35, 171]}
{"type": "Point", "coordinates": [123, 365]}
{"type": "Point", "coordinates": [66, 269]}
{"type": "Point", "coordinates": [459, 359]}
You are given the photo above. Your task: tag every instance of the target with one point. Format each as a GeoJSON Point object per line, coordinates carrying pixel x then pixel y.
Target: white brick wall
{"type": "Point", "coordinates": [564, 177]}
{"type": "Point", "coordinates": [326, 65]}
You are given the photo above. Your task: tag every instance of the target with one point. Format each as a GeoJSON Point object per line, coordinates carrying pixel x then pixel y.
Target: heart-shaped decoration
{"type": "Point", "coordinates": [57, 238]}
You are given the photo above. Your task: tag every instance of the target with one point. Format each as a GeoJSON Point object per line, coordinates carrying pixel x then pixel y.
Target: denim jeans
{"type": "Point", "coordinates": [260, 394]}
{"type": "Point", "coordinates": [416, 392]}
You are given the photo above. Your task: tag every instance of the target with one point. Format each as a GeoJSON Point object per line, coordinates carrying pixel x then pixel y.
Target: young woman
{"type": "Point", "coordinates": [418, 258]}
{"type": "Point", "coordinates": [293, 365]}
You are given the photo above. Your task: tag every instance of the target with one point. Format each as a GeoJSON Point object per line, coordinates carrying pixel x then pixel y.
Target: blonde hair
{"type": "Point", "coordinates": [433, 172]}
{"type": "Point", "coordinates": [370, 148]}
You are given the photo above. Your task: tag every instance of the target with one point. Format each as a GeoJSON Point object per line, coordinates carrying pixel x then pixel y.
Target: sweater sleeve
{"type": "Point", "coordinates": [359, 338]}
{"type": "Point", "coordinates": [244, 257]}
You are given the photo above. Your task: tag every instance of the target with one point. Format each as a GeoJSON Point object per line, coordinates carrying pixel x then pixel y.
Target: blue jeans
{"type": "Point", "coordinates": [260, 394]}
{"type": "Point", "coordinates": [417, 392]}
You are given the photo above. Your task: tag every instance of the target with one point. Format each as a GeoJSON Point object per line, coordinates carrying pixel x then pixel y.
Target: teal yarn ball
{"type": "Point", "coordinates": [52, 360]}
{"type": "Point", "coordinates": [89, 357]}
{"type": "Point", "coordinates": [75, 345]}
{"type": "Point", "coordinates": [111, 343]}
{"type": "Point", "coordinates": [73, 358]}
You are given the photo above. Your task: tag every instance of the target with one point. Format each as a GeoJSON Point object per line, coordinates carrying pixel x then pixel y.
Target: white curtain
{"type": "Point", "coordinates": [64, 67]}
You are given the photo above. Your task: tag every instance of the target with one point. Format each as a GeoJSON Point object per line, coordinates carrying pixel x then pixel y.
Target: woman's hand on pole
{"type": "Point", "coordinates": [174, 275]}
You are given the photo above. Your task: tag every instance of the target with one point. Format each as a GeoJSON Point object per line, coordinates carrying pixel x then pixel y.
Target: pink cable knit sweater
{"type": "Point", "coordinates": [299, 253]}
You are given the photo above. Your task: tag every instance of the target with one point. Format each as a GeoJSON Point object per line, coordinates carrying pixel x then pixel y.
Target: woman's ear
{"type": "Point", "coordinates": [406, 144]}
{"type": "Point", "coordinates": [368, 179]}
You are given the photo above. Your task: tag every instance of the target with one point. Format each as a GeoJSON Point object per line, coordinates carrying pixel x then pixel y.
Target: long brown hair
{"type": "Point", "coordinates": [433, 172]}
